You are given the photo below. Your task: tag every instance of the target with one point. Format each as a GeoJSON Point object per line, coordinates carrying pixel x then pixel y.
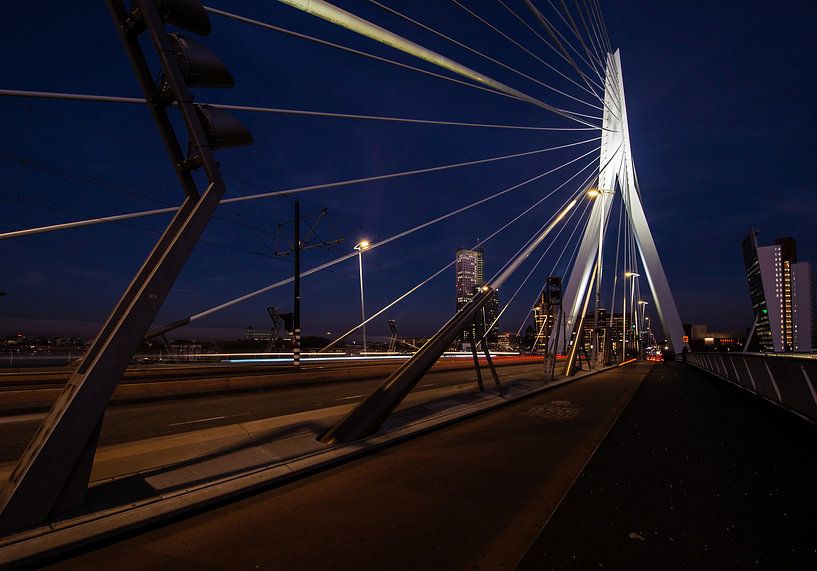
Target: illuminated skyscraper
{"type": "Point", "coordinates": [470, 266]}
{"type": "Point", "coordinates": [782, 292]}
{"type": "Point", "coordinates": [470, 273]}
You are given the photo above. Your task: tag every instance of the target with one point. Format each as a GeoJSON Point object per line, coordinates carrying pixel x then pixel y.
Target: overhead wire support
{"type": "Point", "coordinates": [345, 19]}
{"type": "Point", "coordinates": [284, 192]}
{"type": "Point", "coordinates": [481, 54]}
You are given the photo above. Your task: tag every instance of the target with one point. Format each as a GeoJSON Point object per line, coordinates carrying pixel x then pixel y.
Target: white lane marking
{"type": "Point", "coordinates": [22, 418]}
{"type": "Point", "coordinates": [208, 419]}
{"type": "Point", "coordinates": [351, 397]}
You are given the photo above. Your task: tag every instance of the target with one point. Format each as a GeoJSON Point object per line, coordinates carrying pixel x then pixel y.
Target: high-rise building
{"type": "Point", "coordinates": [782, 294]}
{"type": "Point", "coordinates": [470, 274]}
{"type": "Point", "coordinates": [470, 268]}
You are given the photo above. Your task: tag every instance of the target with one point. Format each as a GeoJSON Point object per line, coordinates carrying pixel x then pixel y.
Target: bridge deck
{"type": "Point", "coordinates": [692, 473]}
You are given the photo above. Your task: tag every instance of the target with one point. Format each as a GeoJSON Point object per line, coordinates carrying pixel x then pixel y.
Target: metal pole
{"type": "Point", "coordinates": [624, 320]}
{"type": "Point", "coordinates": [362, 302]}
{"type": "Point", "coordinates": [578, 331]}
{"type": "Point", "coordinates": [296, 305]}
{"type": "Point", "coordinates": [595, 350]}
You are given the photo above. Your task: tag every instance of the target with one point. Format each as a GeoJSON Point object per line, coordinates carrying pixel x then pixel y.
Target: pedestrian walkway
{"type": "Point", "coordinates": [696, 474]}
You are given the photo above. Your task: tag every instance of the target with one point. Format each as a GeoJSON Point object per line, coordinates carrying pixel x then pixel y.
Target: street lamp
{"type": "Point", "coordinates": [624, 310]}
{"type": "Point", "coordinates": [362, 245]}
{"type": "Point", "coordinates": [643, 303]}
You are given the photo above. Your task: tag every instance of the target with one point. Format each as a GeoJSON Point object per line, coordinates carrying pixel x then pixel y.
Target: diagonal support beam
{"type": "Point", "coordinates": [52, 475]}
{"type": "Point", "coordinates": [367, 417]}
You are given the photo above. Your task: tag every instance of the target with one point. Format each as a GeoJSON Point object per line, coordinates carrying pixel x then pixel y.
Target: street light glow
{"type": "Point", "coordinates": [362, 245]}
{"type": "Point", "coordinates": [631, 275]}
{"type": "Point", "coordinates": [593, 192]}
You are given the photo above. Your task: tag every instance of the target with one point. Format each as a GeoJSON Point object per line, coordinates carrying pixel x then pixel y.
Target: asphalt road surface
{"type": "Point", "coordinates": [130, 422]}
{"type": "Point", "coordinates": [472, 495]}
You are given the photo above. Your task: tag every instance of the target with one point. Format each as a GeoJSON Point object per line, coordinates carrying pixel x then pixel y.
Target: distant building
{"type": "Point", "coordinates": [782, 294]}
{"type": "Point", "coordinates": [470, 269]}
{"type": "Point", "coordinates": [470, 274]}
{"type": "Point", "coordinates": [702, 339]}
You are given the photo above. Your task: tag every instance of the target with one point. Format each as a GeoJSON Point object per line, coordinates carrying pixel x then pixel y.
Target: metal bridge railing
{"type": "Point", "coordinates": [786, 380]}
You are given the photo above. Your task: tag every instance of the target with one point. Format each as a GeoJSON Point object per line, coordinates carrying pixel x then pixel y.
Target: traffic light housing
{"type": "Point", "coordinates": [289, 320]}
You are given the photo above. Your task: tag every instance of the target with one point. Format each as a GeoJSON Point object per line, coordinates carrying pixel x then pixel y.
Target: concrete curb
{"type": "Point", "coordinates": [55, 538]}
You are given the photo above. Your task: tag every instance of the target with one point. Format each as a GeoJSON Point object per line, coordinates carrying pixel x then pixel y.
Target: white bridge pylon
{"type": "Point", "coordinates": [617, 174]}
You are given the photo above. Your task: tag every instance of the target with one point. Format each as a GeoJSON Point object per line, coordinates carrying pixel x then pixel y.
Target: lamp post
{"type": "Point", "coordinates": [359, 248]}
{"type": "Point", "coordinates": [643, 304]}
{"type": "Point", "coordinates": [632, 276]}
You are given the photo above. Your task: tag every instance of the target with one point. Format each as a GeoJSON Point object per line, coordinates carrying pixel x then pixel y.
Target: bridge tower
{"type": "Point", "coordinates": [617, 175]}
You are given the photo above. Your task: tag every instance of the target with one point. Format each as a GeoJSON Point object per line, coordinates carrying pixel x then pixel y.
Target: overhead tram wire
{"type": "Point", "coordinates": [347, 182]}
{"type": "Point", "coordinates": [387, 241]}
{"type": "Point", "coordinates": [485, 56]}
{"type": "Point", "coordinates": [107, 185]}
{"type": "Point", "coordinates": [329, 12]}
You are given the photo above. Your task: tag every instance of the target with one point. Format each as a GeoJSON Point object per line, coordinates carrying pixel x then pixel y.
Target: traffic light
{"type": "Point", "coordinates": [553, 290]}
{"type": "Point", "coordinates": [289, 319]}
{"type": "Point", "coordinates": [185, 64]}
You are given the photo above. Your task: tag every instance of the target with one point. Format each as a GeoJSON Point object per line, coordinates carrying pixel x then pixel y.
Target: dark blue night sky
{"type": "Point", "coordinates": [720, 95]}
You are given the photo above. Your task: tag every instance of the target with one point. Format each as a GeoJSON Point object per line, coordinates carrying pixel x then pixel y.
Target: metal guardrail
{"type": "Point", "coordinates": [786, 380]}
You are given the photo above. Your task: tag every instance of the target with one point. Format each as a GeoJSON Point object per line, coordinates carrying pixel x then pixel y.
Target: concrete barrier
{"type": "Point", "coordinates": [786, 380]}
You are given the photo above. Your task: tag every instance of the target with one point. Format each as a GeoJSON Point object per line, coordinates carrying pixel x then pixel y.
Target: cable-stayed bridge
{"type": "Point", "coordinates": [589, 228]}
